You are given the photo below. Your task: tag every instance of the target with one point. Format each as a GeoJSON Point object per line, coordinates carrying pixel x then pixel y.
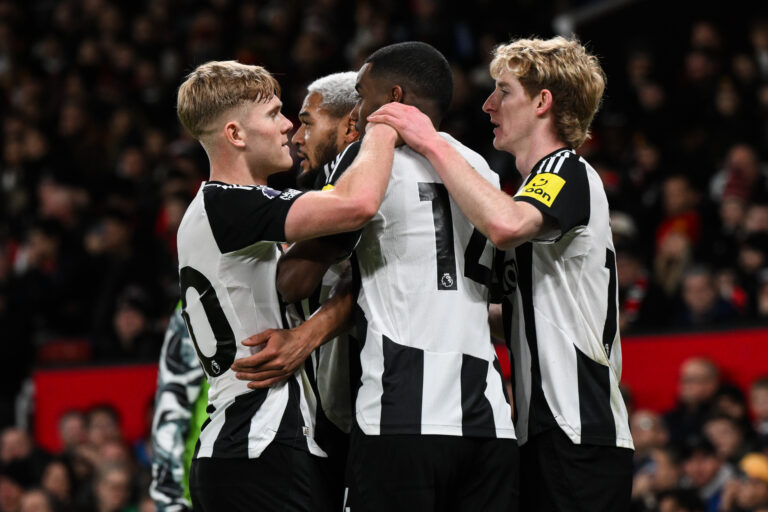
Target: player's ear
{"type": "Point", "coordinates": [544, 101]}
{"type": "Point", "coordinates": [350, 133]}
{"type": "Point", "coordinates": [396, 94]}
{"type": "Point", "coordinates": [234, 134]}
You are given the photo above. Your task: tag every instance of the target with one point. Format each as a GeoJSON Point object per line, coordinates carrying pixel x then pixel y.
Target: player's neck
{"type": "Point", "coordinates": [537, 148]}
{"type": "Point", "coordinates": [234, 171]}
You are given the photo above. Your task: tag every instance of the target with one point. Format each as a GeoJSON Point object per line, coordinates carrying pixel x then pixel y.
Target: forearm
{"type": "Point", "coordinates": [494, 213]}
{"type": "Point", "coordinates": [335, 315]}
{"type": "Point", "coordinates": [356, 197]}
{"type": "Point", "coordinates": [301, 269]}
{"type": "Point", "coordinates": [368, 176]}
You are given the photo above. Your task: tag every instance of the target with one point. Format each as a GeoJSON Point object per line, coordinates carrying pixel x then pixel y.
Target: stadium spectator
{"type": "Point", "coordinates": [749, 492]}
{"type": "Point", "coordinates": [728, 438]}
{"type": "Point", "coordinates": [15, 476]}
{"type": "Point", "coordinates": [680, 500]}
{"type": "Point", "coordinates": [648, 434]}
{"type": "Point", "coordinates": [705, 472]}
{"type": "Point", "coordinates": [58, 480]}
{"type": "Point", "coordinates": [702, 305]}
{"type": "Point", "coordinates": [112, 489]}
{"type": "Point", "coordinates": [663, 474]}
{"type": "Point", "coordinates": [72, 430]}
{"type": "Point", "coordinates": [698, 382]}
{"type": "Point", "coordinates": [36, 500]}
{"type": "Point", "coordinates": [758, 405]}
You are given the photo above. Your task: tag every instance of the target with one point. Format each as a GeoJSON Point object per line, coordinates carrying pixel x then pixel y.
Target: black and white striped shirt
{"type": "Point", "coordinates": [428, 365]}
{"type": "Point", "coordinates": [560, 310]}
{"type": "Point", "coordinates": [227, 265]}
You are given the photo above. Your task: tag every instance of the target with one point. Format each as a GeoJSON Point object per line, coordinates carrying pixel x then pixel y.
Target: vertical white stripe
{"type": "Point", "coordinates": [441, 398]}
{"type": "Point", "coordinates": [266, 421]}
{"type": "Point", "coordinates": [368, 406]}
{"type": "Point", "coordinates": [548, 164]}
{"type": "Point", "coordinates": [560, 161]}
{"type": "Point", "coordinates": [211, 432]}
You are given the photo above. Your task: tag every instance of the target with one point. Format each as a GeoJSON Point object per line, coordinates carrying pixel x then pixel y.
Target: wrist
{"type": "Point", "coordinates": [434, 148]}
{"type": "Point", "coordinates": [313, 332]}
{"type": "Point", "coordinates": [382, 131]}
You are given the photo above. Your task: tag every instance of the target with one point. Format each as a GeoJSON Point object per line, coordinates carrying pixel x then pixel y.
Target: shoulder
{"type": "Point", "coordinates": [477, 161]}
{"type": "Point", "coordinates": [343, 161]}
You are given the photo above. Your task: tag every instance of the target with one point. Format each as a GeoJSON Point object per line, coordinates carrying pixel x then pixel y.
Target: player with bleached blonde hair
{"type": "Point", "coordinates": [559, 273]}
{"type": "Point", "coordinates": [257, 450]}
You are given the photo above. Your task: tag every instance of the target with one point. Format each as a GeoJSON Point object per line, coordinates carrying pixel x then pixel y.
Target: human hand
{"type": "Point", "coordinates": [412, 124]}
{"type": "Point", "coordinates": [283, 352]}
{"type": "Point", "coordinates": [381, 127]}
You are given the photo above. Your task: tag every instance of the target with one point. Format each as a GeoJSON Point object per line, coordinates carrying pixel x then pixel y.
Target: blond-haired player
{"type": "Point", "coordinates": [257, 450]}
{"type": "Point", "coordinates": [559, 272]}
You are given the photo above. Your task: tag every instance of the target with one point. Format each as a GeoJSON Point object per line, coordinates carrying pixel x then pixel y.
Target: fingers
{"type": "Point", "coordinates": [251, 363]}
{"type": "Point", "coordinates": [258, 339]}
{"type": "Point", "coordinates": [262, 375]}
{"type": "Point", "coordinates": [261, 384]}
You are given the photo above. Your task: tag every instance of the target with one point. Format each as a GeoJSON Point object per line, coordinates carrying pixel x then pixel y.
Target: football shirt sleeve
{"type": "Point", "coordinates": [563, 196]}
{"type": "Point", "coordinates": [243, 215]}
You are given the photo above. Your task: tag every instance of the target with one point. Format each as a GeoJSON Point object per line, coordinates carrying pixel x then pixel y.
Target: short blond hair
{"type": "Point", "coordinates": [567, 70]}
{"type": "Point", "coordinates": [218, 86]}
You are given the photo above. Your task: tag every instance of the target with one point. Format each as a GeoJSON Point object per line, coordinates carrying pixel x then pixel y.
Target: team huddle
{"type": "Point", "coordinates": [345, 328]}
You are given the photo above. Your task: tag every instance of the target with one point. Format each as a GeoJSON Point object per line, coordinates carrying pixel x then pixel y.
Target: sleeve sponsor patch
{"type": "Point", "coordinates": [544, 188]}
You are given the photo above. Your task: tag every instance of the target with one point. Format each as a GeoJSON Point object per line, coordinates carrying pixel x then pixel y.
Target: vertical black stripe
{"type": "Point", "coordinates": [232, 441]}
{"type": "Point", "coordinates": [611, 320]}
{"type": "Point", "coordinates": [506, 318]}
{"type": "Point", "coordinates": [540, 416]}
{"type": "Point", "coordinates": [597, 425]}
{"type": "Point", "coordinates": [437, 194]}
{"type": "Point", "coordinates": [476, 412]}
{"type": "Point", "coordinates": [402, 384]}
{"type": "Point", "coordinates": [291, 429]}
{"type": "Point", "coordinates": [357, 341]}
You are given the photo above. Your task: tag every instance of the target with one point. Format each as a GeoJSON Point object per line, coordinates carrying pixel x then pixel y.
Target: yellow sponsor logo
{"type": "Point", "coordinates": [544, 188]}
{"type": "Point", "coordinates": [328, 187]}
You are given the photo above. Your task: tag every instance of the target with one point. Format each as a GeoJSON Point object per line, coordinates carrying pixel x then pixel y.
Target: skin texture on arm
{"type": "Point", "coordinates": [356, 197]}
{"type": "Point", "coordinates": [507, 223]}
{"type": "Point", "coordinates": [285, 350]}
{"type": "Point", "coordinates": [301, 269]}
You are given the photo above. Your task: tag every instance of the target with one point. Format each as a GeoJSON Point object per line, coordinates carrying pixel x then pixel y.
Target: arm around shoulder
{"type": "Point", "coordinates": [357, 195]}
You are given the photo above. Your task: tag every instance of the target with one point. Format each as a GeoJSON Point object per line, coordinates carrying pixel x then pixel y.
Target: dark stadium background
{"type": "Point", "coordinates": [95, 172]}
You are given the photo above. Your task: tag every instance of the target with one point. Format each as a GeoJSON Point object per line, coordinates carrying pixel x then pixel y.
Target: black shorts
{"type": "Point", "coordinates": [421, 473]}
{"type": "Point", "coordinates": [283, 479]}
{"type": "Point", "coordinates": [558, 475]}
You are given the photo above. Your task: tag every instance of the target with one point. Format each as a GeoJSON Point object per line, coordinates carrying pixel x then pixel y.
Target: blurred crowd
{"type": "Point", "coordinates": [96, 172]}
{"type": "Point", "coordinates": [707, 454]}
{"type": "Point", "coordinates": [95, 471]}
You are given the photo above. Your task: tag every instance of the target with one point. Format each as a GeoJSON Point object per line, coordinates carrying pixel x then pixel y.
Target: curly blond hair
{"type": "Point", "coordinates": [567, 70]}
{"type": "Point", "coordinates": [217, 87]}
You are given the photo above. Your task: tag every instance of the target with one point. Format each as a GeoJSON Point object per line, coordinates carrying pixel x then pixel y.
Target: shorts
{"type": "Point", "coordinates": [558, 475]}
{"type": "Point", "coordinates": [283, 479]}
{"type": "Point", "coordinates": [421, 473]}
